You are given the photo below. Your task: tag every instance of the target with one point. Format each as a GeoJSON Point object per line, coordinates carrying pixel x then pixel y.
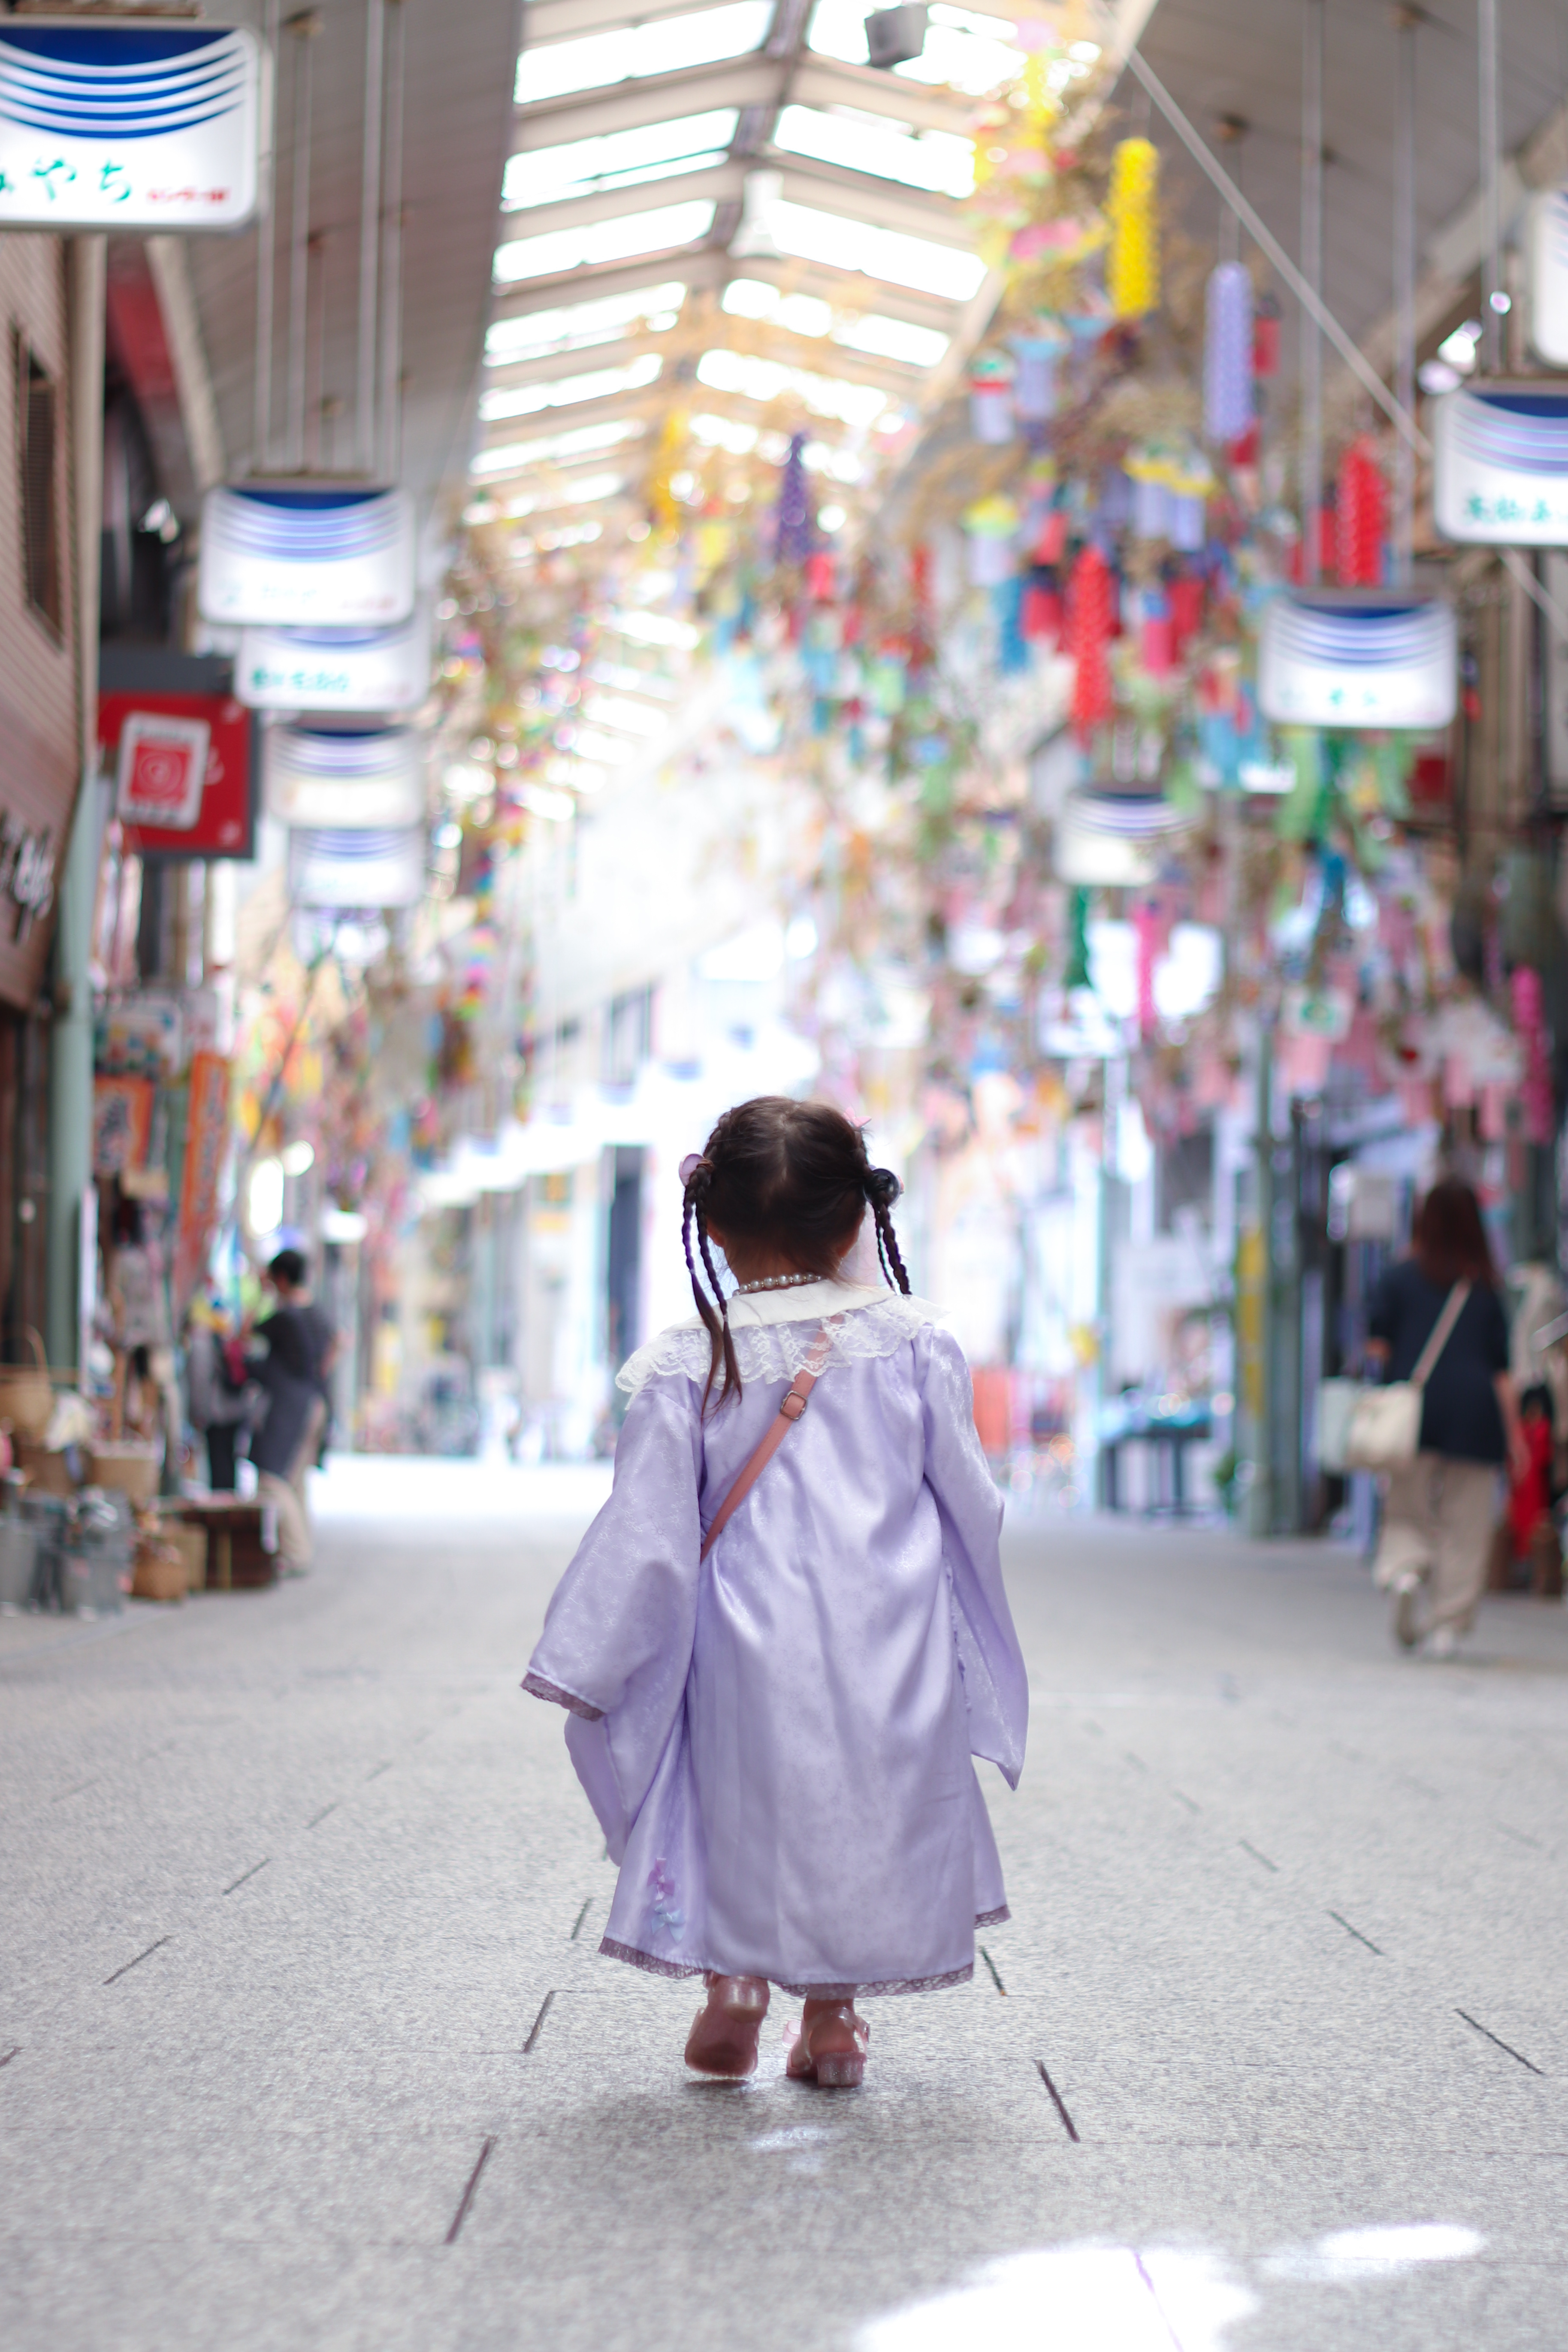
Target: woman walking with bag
{"type": "Point", "coordinates": [1441, 1508]}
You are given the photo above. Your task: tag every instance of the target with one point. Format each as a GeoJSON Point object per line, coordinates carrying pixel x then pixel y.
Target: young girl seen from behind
{"type": "Point", "coordinates": [775, 1727]}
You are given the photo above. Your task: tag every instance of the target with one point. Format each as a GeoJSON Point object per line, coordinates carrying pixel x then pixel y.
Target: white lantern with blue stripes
{"type": "Point", "coordinates": [335, 669]}
{"type": "Point", "coordinates": [302, 556]}
{"type": "Point", "coordinates": [132, 126]}
{"type": "Point", "coordinates": [357, 870]}
{"type": "Point", "coordinates": [350, 780]}
{"type": "Point", "coordinates": [1353, 657]}
{"type": "Point", "coordinates": [1499, 464]}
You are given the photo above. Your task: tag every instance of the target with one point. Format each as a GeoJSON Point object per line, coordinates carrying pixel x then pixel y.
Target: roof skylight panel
{"type": "Point", "coordinates": [578, 326]}
{"type": "Point", "coordinates": [939, 161]}
{"type": "Point", "coordinates": [561, 448]}
{"type": "Point", "coordinates": [622, 238]}
{"type": "Point", "coordinates": [881, 338]}
{"type": "Point", "coordinates": [631, 718]}
{"type": "Point", "coordinates": [892, 255]}
{"type": "Point", "coordinates": [630, 52]}
{"type": "Point", "coordinates": [767, 380]}
{"type": "Point", "coordinates": [799, 314]}
{"type": "Point", "coordinates": [565, 391]}
{"type": "Point", "coordinates": [547, 175]}
{"type": "Point", "coordinates": [965, 50]}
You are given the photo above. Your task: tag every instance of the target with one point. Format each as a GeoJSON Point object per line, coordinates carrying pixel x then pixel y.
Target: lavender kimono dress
{"type": "Point", "coordinates": [777, 1740]}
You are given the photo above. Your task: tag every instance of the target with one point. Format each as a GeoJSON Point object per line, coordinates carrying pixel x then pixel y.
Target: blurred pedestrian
{"type": "Point", "coordinates": [299, 1348]}
{"type": "Point", "coordinates": [217, 1402]}
{"type": "Point", "coordinates": [1441, 1509]}
{"type": "Point", "coordinates": [774, 1724]}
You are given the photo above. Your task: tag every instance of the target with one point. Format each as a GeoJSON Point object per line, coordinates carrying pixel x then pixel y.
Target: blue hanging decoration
{"type": "Point", "coordinates": [1227, 353]}
{"type": "Point", "coordinates": [1008, 602]}
{"type": "Point", "coordinates": [794, 535]}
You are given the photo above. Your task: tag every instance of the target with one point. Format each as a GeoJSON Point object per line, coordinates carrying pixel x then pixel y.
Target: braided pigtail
{"type": "Point", "coordinates": [697, 1175]}
{"type": "Point", "coordinates": [882, 1189]}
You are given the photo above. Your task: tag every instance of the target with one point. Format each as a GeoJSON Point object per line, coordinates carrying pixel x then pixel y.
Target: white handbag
{"type": "Point", "coordinates": [1385, 1431]}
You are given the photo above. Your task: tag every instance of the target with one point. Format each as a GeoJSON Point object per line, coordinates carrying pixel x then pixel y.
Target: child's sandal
{"type": "Point", "coordinates": [832, 2053]}
{"type": "Point", "coordinates": [723, 2037]}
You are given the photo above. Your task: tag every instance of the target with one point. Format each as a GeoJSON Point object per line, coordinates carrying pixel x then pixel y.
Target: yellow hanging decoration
{"type": "Point", "coordinates": [1132, 270]}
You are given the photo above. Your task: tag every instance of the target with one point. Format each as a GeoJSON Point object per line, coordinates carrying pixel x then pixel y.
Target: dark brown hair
{"type": "Point", "coordinates": [1449, 1240]}
{"type": "Point", "coordinates": [794, 1177]}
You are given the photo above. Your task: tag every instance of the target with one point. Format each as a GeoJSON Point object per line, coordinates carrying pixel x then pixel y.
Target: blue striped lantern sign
{"type": "Point", "coordinates": [356, 872]}
{"type": "Point", "coordinates": [335, 669]}
{"type": "Point", "coordinates": [1354, 658]}
{"type": "Point", "coordinates": [1500, 465]}
{"type": "Point", "coordinates": [132, 126]}
{"type": "Point", "coordinates": [1113, 840]}
{"type": "Point", "coordinates": [317, 557]}
{"type": "Point", "coordinates": [345, 780]}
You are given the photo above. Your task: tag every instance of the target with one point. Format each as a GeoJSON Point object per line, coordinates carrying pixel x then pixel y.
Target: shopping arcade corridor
{"type": "Point", "coordinates": [309, 2043]}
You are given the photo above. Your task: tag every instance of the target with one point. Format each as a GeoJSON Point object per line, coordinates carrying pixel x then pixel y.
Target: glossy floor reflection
{"type": "Point", "coordinates": [304, 2040]}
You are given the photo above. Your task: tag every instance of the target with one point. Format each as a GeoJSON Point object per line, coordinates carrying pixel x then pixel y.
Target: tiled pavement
{"type": "Point", "coordinates": [304, 2041]}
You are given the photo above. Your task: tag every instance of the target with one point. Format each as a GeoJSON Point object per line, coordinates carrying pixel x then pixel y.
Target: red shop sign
{"type": "Point", "coordinates": [169, 740]}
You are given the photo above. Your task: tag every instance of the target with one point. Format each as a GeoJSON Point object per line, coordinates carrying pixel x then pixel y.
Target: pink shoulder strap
{"type": "Point", "coordinates": [790, 1406]}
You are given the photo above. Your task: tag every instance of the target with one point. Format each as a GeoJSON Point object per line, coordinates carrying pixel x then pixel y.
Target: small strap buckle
{"type": "Point", "coordinates": [792, 1397]}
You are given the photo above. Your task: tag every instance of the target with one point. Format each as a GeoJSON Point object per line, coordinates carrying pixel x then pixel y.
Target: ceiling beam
{"type": "Point", "coordinates": [692, 264]}
{"type": "Point", "coordinates": [883, 203]}
{"type": "Point", "coordinates": [756, 81]}
{"type": "Point", "coordinates": [721, 183]}
{"type": "Point", "coordinates": [853, 295]}
{"type": "Point", "coordinates": [653, 405]}
{"type": "Point", "coordinates": [759, 336]}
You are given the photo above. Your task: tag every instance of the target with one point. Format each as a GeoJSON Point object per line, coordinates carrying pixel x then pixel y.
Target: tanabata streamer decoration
{"type": "Point", "coordinates": [1351, 658]}
{"type": "Point", "coordinates": [1089, 626]}
{"type": "Point", "coordinates": [991, 525]}
{"type": "Point", "coordinates": [1227, 352]}
{"type": "Point", "coordinates": [793, 541]}
{"type": "Point", "coordinates": [1500, 465]}
{"type": "Point", "coordinates": [991, 397]}
{"type": "Point", "coordinates": [1132, 268]}
{"type": "Point", "coordinates": [1034, 385]}
{"type": "Point", "coordinates": [1361, 515]}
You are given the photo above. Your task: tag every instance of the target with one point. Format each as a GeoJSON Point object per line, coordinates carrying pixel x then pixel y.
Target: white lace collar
{"type": "Point", "coordinates": [773, 1331]}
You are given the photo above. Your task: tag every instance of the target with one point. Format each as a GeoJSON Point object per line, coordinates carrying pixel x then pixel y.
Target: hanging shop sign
{"type": "Point", "coordinates": [357, 870]}
{"type": "Point", "coordinates": [1546, 247]}
{"type": "Point", "coordinates": [132, 126]}
{"type": "Point", "coordinates": [276, 554]}
{"type": "Point", "coordinates": [123, 1108]}
{"type": "Point", "coordinates": [183, 765]}
{"type": "Point", "coordinates": [1349, 658]}
{"type": "Point", "coordinates": [206, 1142]}
{"type": "Point", "coordinates": [1113, 841]}
{"type": "Point", "coordinates": [335, 669]}
{"type": "Point", "coordinates": [360, 780]}
{"type": "Point", "coordinates": [1500, 465]}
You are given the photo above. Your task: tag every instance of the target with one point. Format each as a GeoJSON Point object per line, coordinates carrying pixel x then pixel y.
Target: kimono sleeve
{"type": "Point", "coordinates": [996, 1682]}
{"type": "Point", "coordinates": [616, 1645]}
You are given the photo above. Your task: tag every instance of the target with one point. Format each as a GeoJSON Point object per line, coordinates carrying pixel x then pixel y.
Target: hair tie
{"type": "Point", "coordinates": [883, 1187]}
{"type": "Point", "coordinates": [693, 1165]}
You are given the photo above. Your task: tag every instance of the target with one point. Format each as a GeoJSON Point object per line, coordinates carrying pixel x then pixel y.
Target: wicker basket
{"type": "Point", "coordinates": [129, 1466]}
{"type": "Point", "coordinates": [46, 1472]}
{"type": "Point", "coordinates": [192, 1544]}
{"type": "Point", "coordinates": [26, 1395]}
{"type": "Point", "coordinates": [161, 1573]}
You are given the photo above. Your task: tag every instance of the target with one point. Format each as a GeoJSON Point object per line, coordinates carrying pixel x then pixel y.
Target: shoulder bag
{"type": "Point", "coordinates": [1385, 1431]}
{"type": "Point", "coordinates": [791, 1407]}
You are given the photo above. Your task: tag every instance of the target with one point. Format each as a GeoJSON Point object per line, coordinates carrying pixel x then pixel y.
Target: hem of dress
{"type": "Point", "coordinates": [888, 1986]}
{"type": "Point", "coordinates": [537, 1687]}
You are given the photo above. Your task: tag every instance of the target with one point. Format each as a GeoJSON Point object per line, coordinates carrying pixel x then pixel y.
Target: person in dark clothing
{"type": "Point", "coordinates": [217, 1402]}
{"type": "Point", "coordinates": [1441, 1509]}
{"type": "Point", "coordinates": [301, 1348]}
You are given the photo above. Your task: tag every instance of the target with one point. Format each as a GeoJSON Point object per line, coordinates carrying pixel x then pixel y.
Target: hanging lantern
{"type": "Point", "coordinates": [1227, 352]}
{"type": "Point", "coordinates": [1353, 658]}
{"type": "Point", "coordinates": [793, 540]}
{"type": "Point", "coordinates": [992, 526]}
{"type": "Point", "coordinates": [1132, 270]}
{"type": "Point", "coordinates": [1499, 464]}
{"type": "Point", "coordinates": [1035, 384]}
{"type": "Point", "coordinates": [991, 397]}
{"type": "Point", "coordinates": [1090, 631]}
{"type": "Point", "coordinates": [1360, 516]}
